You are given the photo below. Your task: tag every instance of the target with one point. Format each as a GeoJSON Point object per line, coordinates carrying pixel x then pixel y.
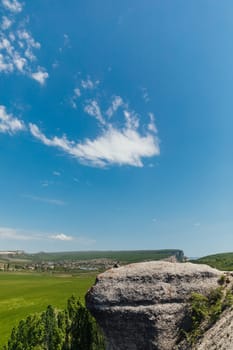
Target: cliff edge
{"type": "Point", "coordinates": [143, 306]}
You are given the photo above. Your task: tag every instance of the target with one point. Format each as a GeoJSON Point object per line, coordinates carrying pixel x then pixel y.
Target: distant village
{"type": "Point", "coordinates": [13, 261]}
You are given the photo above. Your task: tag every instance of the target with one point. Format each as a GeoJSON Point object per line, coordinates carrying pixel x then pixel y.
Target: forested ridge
{"type": "Point", "coordinates": [70, 329]}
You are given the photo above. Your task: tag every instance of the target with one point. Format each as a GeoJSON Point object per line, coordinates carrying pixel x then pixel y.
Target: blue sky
{"type": "Point", "coordinates": [116, 125]}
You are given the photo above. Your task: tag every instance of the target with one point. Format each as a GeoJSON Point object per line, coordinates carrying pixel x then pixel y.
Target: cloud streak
{"type": "Point", "coordinates": [14, 234]}
{"type": "Point", "coordinates": [93, 109]}
{"type": "Point", "coordinates": [116, 103]}
{"type": "Point", "coordinates": [53, 201]}
{"type": "Point", "coordinates": [61, 237]}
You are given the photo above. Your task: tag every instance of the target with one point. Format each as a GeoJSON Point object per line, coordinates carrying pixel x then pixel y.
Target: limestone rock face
{"type": "Point", "coordinates": [220, 336]}
{"type": "Point", "coordinates": [142, 306]}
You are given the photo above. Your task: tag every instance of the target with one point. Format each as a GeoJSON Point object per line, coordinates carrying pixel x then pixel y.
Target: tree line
{"type": "Point", "coordinates": [71, 329]}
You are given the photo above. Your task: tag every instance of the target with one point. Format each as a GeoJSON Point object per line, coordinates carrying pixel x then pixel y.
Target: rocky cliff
{"type": "Point", "coordinates": [143, 306]}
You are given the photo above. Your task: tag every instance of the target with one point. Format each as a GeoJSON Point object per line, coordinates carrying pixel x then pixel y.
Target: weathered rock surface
{"type": "Point", "coordinates": [142, 306]}
{"type": "Point", "coordinates": [220, 336]}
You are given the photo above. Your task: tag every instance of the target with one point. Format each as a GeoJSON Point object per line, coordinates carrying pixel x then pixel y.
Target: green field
{"type": "Point", "coordinates": [23, 294]}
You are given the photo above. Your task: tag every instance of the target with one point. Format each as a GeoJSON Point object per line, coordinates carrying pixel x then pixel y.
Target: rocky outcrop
{"type": "Point", "coordinates": [143, 306]}
{"type": "Point", "coordinates": [220, 336]}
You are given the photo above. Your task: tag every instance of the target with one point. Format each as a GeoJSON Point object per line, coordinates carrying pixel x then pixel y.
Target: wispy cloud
{"type": "Point", "coordinates": [12, 5]}
{"type": "Point", "coordinates": [66, 43]}
{"type": "Point", "coordinates": [6, 23]}
{"type": "Point", "coordinates": [77, 92]}
{"type": "Point", "coordinates": [56, 173]}
{"type": "Point", "coordinates": [73, 100]}
{"type": "Point", "coordinates": [15, 234]}
{"type": "Point", "coordinates": [17, 45]}
{"type": "Point", "coordinates": [62, 237]}
{"type": "Point", "coordinates": [67, 40]}
{"type": "Point", "coordinates": [117, 102]}
{"type": "Point", "coordinates": [131, 119]}
{"type": "Point", "coordinates": [53, 201]}
{"type": "Point", "coordinates": [89, 84]}
{"type": "Point", "coordinates": [151, 125]}
{"type": "Point", "coordinates": [8, 123]}
{"type": "Point", "coordinates": [145, 95]}
{"type": "Point", "coordinates": [93, 109]}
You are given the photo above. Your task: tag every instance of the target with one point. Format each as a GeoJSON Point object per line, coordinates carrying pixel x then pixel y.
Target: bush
{"type": "Point", "coordinates": [204, 311]}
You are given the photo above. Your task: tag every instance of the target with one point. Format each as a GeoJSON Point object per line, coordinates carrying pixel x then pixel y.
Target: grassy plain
{"type": "Point", "coordinates": [27, 293]}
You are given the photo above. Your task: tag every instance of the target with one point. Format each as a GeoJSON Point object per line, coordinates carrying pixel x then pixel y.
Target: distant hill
{"type": "Point", "coordinates": [222, 261]}
{"type": "Point", "coordinates": [121, 256]}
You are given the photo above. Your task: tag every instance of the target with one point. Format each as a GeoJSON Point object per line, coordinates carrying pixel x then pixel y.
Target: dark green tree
{"type": "Point", "coordinates": [71, 329]}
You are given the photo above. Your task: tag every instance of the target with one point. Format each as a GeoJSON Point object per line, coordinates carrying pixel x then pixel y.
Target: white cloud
{"type": "Point", "coordinates": [40, 76]}
{"type": "Point", "coordinates": [151, 125]}
{"type": "Point", "coordinates": [17, 46]}
{"type": "Point", "coordinates": [60, 142]}
{"type": "Point", "coordinates": [6, 67]}
{"type": "Point", "coordinates": [53, 201]}
{"type": "Point", "coordinates": [88, 84]}
{"type": "Point", "coordinates": [77, 92]}
{"type": "Point", "coordinates": [116, 103]}
{"type": "Point", "coordinates": [6, 23]}
{"type": "Point", "coordinates": [66, 40]}
{"type": "Point", "coordinates": [56, 173]}
{"type": "Point", "coordinates": [61, 237]}
{"type": "Point", "coordinates": [131, 118]}
{"type": "Point", "coordinates": [125, 147]}
{"type": "Point", "coordinates": [84, 241]}
{"type": "Point", "coordinates": [93, 109]}
{"type": "Point", "coordinates": [18, 235]}
{"type": "Point", "coordinates": [8, 123]}
{"type": "Point", "coordinates": [113, 146]}
{"type": "Point", "coordinates": [12, 5]}
{"type": "Point", "coordinates": [116, 144]}
{"type": "Point", "coordinates": [76, 95]}
{"type": "Point", "coordinates": [145, 95]}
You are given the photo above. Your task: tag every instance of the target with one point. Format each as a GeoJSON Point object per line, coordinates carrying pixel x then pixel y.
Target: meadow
{"type": "Point", "coordinates": [26, 293]}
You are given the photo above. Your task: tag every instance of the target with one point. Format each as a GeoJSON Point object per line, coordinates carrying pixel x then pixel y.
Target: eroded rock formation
{"type": "Point", "coordinates": [142, 306]}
